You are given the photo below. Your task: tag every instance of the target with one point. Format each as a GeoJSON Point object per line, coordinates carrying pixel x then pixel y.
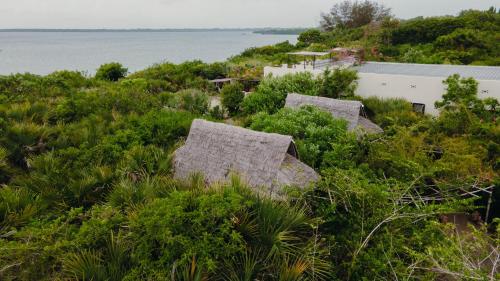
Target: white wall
{"type": "Point", "coordinates": [416, 89]}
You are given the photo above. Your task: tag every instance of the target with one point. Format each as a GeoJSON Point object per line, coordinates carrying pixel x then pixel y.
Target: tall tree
{"type": "Point", "coordinates": [352, 14]}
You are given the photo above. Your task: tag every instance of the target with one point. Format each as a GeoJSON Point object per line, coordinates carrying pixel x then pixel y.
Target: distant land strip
{"type": "Point", "coordinates": [278, 31]}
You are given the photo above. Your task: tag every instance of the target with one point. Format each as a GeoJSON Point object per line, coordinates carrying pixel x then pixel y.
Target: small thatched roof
{"type": "Point", "coordinates": [369, 126]}
{"type": "Point", "coordinates": [348, 110]}
{"type": "Point", "coordinates": [216, 150]}
{"type": "Point", "coordinates": [344, 109]}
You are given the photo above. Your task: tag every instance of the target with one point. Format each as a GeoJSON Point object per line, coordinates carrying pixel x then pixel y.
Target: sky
{"type": "Point", "coordinates": [199, 13]}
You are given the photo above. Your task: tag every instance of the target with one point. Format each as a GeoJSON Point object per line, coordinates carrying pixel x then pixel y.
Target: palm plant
{"type": "Point", "coordinates": [17, 206]}
{"type": "Point", "coordinates": [279, 243]}
{"type": "Point", "coordinates": [110, 265]}
{"type": "Point", "coordinates": [190, 272]}
{"type": "Point", "coordinates": [85, 265]}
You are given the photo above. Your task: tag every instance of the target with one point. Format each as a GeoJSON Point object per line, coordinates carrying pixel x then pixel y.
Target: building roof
{"type": "Point", "coordinates": [309, 54]}
{"type": "Point", "coordinates": [431, 70]}
{"type": "Point", "coordinates": [217, 150]}
{"type": "Point", "coordinates": [343, 109]}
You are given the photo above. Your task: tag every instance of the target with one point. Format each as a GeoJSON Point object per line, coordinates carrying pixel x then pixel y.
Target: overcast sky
{"type": "Point", "coordinates": [198, 13]}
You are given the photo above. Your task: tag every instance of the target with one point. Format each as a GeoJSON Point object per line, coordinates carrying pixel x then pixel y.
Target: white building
{"type": "Point", "coordinates": [421, 84]}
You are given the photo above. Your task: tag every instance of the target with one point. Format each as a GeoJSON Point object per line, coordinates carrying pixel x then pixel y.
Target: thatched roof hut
{"type": "Point", "coordinates": [263, 160]}
{"type": "Point", "coordinates": [349, 110]}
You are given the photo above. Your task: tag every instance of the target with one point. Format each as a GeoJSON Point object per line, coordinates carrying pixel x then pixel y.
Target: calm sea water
{"type": "Point", "coordinates": [45, 52]}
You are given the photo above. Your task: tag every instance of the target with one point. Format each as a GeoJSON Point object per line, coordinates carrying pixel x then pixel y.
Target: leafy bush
{"type": "Point", "coordinates": [111, 72]}
{"type": "Point", "coordinates": [271, 93]}
{"type": "Point", "coordinates": [231, 97]}
{"type": "Point", "coordinates": [186, 225]}
{"type": "Point", "coordinates": [174, 77]}
{"type": "Point", "coordinates": [338, 83]}
{"type": "Point", "coordinates": [388, 112]}
{"type": "Point", "coordinates": [314, 131]}
{"type": "Point", "coordinates": [311, 36]}
{"type": "Point", "coordinates": [192, 100]}
{"type": "Point", "coordinates": [217, 113]}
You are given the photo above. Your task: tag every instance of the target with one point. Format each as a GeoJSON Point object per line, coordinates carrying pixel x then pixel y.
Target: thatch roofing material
{"type": "Point", "coordinates": [369, 126]}
{"type": "Point", "coordinates": [216, 150]}
{"type": "Point", "coordinates": [343, 109]}
{"type": "Point", "coordinates": [295, 173]}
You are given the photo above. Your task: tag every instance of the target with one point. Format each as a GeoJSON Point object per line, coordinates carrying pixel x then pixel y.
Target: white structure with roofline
{"type": "Point", "coordinates": [421, 84]}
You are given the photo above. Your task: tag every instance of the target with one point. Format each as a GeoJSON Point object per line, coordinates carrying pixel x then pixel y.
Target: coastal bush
{"type": "Point", "coordinates": [192, 100]}
{"type": "Point", "coordinates": [111, 72]}
{"type": "Point", "coordinates": [389, 112]}
{"type": "Point", "coordinates": [311, 36]}
{"type": "Point", "coordinates": [338, 83]}
{"type": "Point", "coordinates": [271, 93]}
{"type": "Point", "coordinates": [87, 193]}
{"type": "Point", "coordinates": [231, 97]}
{"type": "Point", "coordinates": [175, 77]}
{"type": "Point", "coordinates": [315, 132]}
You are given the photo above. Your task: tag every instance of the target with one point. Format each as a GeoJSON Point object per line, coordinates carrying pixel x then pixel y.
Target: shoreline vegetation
{"type": "Point", "coordinates": [87, 190]}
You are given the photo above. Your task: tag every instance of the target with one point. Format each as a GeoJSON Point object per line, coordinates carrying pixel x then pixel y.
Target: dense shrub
{"type": "Point", "coordinates": [175, 77]}
{"type": "Point", "coordinates": [271, 93]}
{"type": "Point", "coordinates": [111, 72]}
{"type": "Point", "coordinates": [338, 83]}
{"type": "Point", "coordinates": [314, 131]}
{"type": "Point", "coordinates": [231, 97]}
{"type": "Point", "coordinates": [184, 226]}
{"type": "Point", "coordinates": [425, 30]}
{"type": "Point", "coordinates": [311, 36]}
{"type": "Point", "coordinates": [192, 100]}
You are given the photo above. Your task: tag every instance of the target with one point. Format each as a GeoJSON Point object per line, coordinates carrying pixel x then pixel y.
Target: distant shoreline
{"type": "Point", "coordinates": [274, 31]}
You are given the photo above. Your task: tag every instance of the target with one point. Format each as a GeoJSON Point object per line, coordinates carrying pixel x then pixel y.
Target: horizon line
{"type": "Point", "coordinates": [158, 29]}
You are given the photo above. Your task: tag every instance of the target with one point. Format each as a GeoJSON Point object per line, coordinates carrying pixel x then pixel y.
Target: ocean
{"type": "Point", "coordinates": [44, 52]}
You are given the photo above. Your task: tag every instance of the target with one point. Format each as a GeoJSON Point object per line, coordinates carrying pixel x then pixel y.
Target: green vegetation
{"type": "Point", "coordinates": [111, 72]}
{"type": "Point", "coordinates": [87, 190]}
{"type": "Point", "coordinates": [471, 37]}
{"type": "Point", "coordinates": [231, 97]}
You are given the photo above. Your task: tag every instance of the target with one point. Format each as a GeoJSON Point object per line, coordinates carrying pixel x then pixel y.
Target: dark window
{"type": "Point", "coordinates": [485, 92]}
{"type": "Point", "coordinates": [413, 86]}
{"type": "Point", "coordinates": [419, 108]}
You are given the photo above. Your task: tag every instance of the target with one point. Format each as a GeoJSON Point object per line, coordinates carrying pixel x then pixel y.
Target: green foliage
{"type": "Point", "coordinates": [271, 93]}
{"type": "Point", "coordinates": [184, 225]}
{"type": "Point", "coordinates": [268, 50]}
{"type": "Point", "coordinates": [311, 36]}
{"type": "Point", "coordinates": [352, 14]}
{"type": "Point", "coordinates": [338, 83]}
{"type": "Point", "coordinates": [192, 100]}
{"type": "Point", "coordinates": [17, 207]}
{"type": "Point", "coordinates": [111, 72]}
{"type": "Point", "coordinates": [425, 30]}
{"type": "Point", "coordinates": [169, 77]}
{"type": "Point", "coordinates": [87, 191]}
{"type": "Point", "coordinates": [463, 110]}
{"type": "Point", "coordinates": [314, 131]}
{"type": "Point", "coordinates": [216, 113]}
{"type": "Point", "coordinates": [231, 97]}
{"type": "Point", "coordinates": [389, 112]}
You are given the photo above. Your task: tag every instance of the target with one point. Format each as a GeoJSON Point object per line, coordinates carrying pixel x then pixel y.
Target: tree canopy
{"type": "Point", "coordinates": [352, 14]}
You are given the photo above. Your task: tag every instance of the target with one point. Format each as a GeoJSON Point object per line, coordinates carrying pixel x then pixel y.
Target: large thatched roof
{"type": "Point", "coordinates": [342, 109]}
{"type": "Point", "coordinates": [216, 150]}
